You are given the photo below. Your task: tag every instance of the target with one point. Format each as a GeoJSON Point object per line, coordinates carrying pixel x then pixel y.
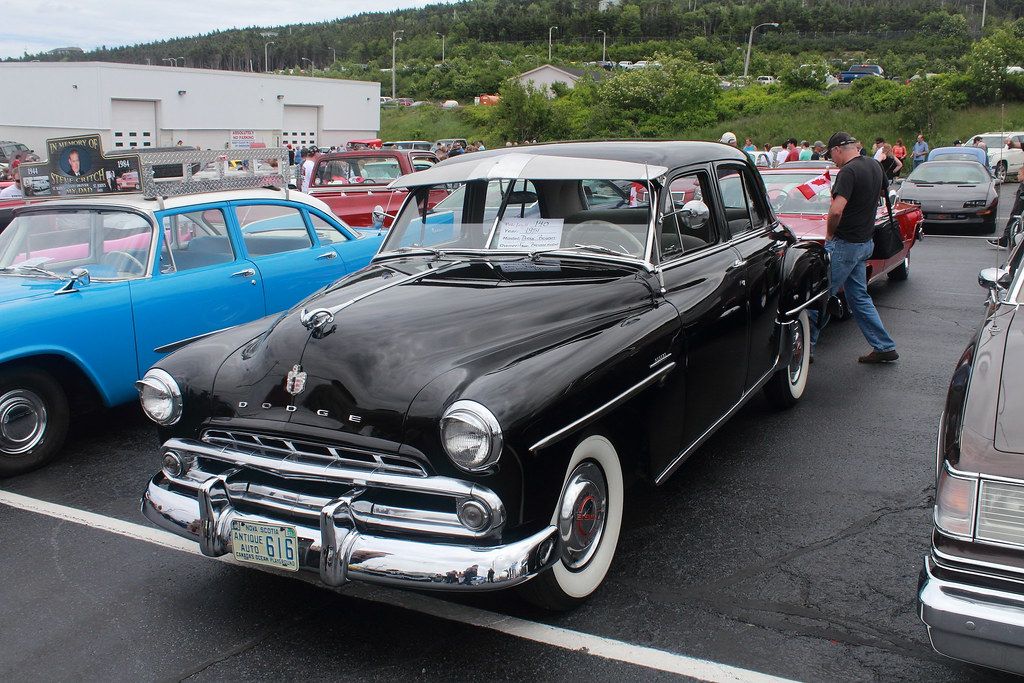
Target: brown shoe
{"type": "Point", "coordinates": [879, 357]}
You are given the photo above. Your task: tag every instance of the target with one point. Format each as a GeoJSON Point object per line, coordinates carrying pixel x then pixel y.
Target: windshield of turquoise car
{"type": "Point", "coordinates": [950, 173]}
{"type": "Point", "coordinates": [526, 215]}
{"type": "Point", "coordinates": [111, 245]}
{"type": "Point", "coordinates": [786, 198]}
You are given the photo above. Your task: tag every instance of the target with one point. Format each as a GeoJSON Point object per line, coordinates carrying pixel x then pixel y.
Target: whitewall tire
{"type": "Point", "coordinates": [788, 383]}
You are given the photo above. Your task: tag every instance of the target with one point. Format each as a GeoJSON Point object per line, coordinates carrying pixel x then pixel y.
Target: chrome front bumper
{"type": "Point", "coordinates": [344, 538]}
{"type": "Point", "coordinates": [972, 623]}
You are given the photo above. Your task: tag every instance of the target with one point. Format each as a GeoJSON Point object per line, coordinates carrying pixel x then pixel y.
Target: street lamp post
{"type": "Point", "coordinates": [334, 56]}
{"type": "Point", "coordinates": [266, 65]}
{"type": "Point", "coordinates": [312, 67]}
{"type": "Point", "coordinates": [750, 44]}
{"type": "Point", "coordinates": [442, 46]}
{"type": "Point", "coordinates": [395, 37]}
{"type": "Point", "coordinates": [550, 30]}
{"type": "Point", "coordinates": [604, 46]}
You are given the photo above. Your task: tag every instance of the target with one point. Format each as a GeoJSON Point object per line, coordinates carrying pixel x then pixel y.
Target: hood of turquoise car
{"type": "Point", "coordinates": [14, 287]}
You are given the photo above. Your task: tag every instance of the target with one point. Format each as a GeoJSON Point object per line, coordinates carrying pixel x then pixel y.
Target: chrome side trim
{"type": "Point", "coordinates": [686, 452]}
{"type": "Point", "coordinates": [967, 474]}
{"type": "Point", "coordinates": [603, 409]}
{"type": "Point", "coordinates": [976, 563]}
{"type": "Point", "coordinates": [807, 303]}
{"type": "Point", "coordinates": [174, 346]}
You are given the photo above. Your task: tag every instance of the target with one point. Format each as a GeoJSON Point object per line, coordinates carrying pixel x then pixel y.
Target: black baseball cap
{"type": "Point", "coordinates": [838, 139]}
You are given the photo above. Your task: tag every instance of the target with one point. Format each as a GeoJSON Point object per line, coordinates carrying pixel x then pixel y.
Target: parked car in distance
{"type": "Point", "coordinates": [953, 193]}
{"type": "Point", "coordinates": [960, 153]}
{"type": "Point", "coordinates": [420, 145]}
{"type": "Point", "coordinates": [135, 279]}
{"type": "Point", "coordinates": [807, 216]}
{"type": "Point", "coordinates": [353, 183]}
{"type": "Point", "coordinates": [448, 142]}
{"type": "Point", "coordinates": [405, 101]}
{"type": "Point", "coordinates": [972, 583]}
{"type": "Point", "coordinates": [1004, 161]}
{"type": "Point", "coordinates": [850, 74]}
{"type": "Point", "coordinates": [625, 64]}
{"type": "Point", "coordinates": [460, 414]}
{"type": "Point", "coordinates": [766, 80]}
{"type": "Point", "coordinates": [450, 104]}
{"type": "Point", "coordinates": [9, 151]}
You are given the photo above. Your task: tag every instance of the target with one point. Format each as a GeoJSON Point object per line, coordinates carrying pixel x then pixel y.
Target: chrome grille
{"type": "Point", "coordinates": [309, 452]}
{"type": "Point", "coordinates": [1001, 513]}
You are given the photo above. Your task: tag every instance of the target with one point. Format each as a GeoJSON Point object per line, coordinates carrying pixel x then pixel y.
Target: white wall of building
{"type": "Point", "coordinates": [198, 106]}
{"type": "Point", "coordinates": [545, 76]}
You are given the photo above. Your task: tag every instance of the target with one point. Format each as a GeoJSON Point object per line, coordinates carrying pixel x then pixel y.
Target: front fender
{"type": "Point", "coordinates": [805, 279]}
{"type": "Point", "coordinates": [111, 395]}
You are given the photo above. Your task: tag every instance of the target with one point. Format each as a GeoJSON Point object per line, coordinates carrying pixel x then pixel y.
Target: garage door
{"type": "Point", "coordinates": [133, 123]}
{"type": "Point", "coordinates": [300, 126]}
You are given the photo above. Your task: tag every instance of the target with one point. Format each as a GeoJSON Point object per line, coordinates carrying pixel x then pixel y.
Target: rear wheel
{"type": "Point", "coordinates": [902, 271]}
{"type": "Point", "coordinates": [787, 385]}
{"type": "Point", "coordinates": [34, 420]}
{"type": "Point", "coordinates": [588, 517]}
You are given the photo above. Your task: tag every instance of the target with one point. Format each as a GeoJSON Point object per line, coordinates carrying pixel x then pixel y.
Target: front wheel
{"type": "Point", "coordinates": [902, 271]}
{"type": "Point", "coordinates": [787, 385]}
{"type": "Point", "coordinates": [34, 420]}
{"type": "Point", "coordinates": [588, 517]}
{"type": "Point", "coordinates": [1001, 171]}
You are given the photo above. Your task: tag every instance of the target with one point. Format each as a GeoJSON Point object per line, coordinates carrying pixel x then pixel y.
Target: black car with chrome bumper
{"type": "Point", "coordinates": [971, 590]}
{"type": "Point", "coordinates": [464, 413]}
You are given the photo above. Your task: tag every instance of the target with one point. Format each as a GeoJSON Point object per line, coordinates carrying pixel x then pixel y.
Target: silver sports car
{"type": "Point", "coordinates": [953, 192]}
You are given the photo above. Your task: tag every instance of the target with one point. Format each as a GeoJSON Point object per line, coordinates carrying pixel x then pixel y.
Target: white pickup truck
{"type": "Point", "coordinates": [1003, 160]}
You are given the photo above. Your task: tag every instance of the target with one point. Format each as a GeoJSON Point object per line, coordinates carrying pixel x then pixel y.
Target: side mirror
{"type": "Point", "coordinates": [695, 214]}
{"type": "Point", "coordinates": [995, 278]}
{"type": "Point", "coordinates": [378, 215]}
{"type": "Point", "coordinates": [892, 197]}
{"type": "Point", "coordinates": [79, 276]}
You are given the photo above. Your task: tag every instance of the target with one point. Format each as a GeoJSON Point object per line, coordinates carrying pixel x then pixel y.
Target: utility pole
{"type": "Point", "coordinates": [984, 9]}
{"type": "Point", "coordinates": [550, 30]}
{"type": "Point", "coordinates": [750, 44]}
{"type": "Point", "coordinates": [604, 46]}
{"type": "Point", "coordinates": [334, 56]}
{"type": "Point", "coordinates": [442, 46]}
{"type": "Point", "coordinates": [395, 37]}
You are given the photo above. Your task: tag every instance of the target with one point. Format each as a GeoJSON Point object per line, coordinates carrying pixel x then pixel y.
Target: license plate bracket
{"type": "Point", "coordinates": [265, 544]}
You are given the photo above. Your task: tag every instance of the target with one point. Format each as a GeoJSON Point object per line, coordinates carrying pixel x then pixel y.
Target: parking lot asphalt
{"type": "Point", "coordinates": [790, 544]}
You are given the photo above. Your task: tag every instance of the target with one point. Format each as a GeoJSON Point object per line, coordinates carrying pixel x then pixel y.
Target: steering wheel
{"type": "Point", "coordinates": [126, 256]}
{"type": "Point", "coordinates": [777, 198]}
{"type": "Point", "coordinates": [603, 234]}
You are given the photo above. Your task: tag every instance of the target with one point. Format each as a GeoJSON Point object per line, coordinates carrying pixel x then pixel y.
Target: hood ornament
{"type": "Point", "coordinates": [316, 319]}
{"type": "Point", "coordinates": [295, 382]}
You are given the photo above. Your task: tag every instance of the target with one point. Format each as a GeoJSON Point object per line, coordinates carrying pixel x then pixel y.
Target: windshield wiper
{"type": "Point", "coordinates": [603, 250]}
{"type": "Point", "coordinates": [31, 269]}
{"type": "Point", "coordinates": [430, 250]}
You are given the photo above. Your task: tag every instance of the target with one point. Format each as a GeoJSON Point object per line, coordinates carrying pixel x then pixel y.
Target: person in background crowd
{"type": "Point", "coordinates": [767, 147]}
{"type": "Point", "coordinates": [819, 150]}
{"type": "Point", "coordinates": [979, 143]}
{"type": "Point", "coordinates": [13, 191]}
{"type": "Point", "coordinates": [920, 150]}
{"type": "Point", "coordinates": [958, 143]}
{"type": "Point", "coordinates": [748, 146]}
{"type": "Point", "coordinates": [805, 151]}
{"type": "Point", "coordinates": [181, 143]}
{"type": "Point", "coordinates": [291, 155]}
{"type": "Point", "coordinates": [877, 150]}
{"type": "Point", "coordinates": [480, 145]}
{"type": "Point", "coordinates": [307, 169]}
{"type": "Point", "coordinates": [890, 164]}
{"type": "Point", "coordinates": [849, 231]}
{"type": "Point", "coordinates": [1012, 144]}
{"type": "Point", "coordinates": [728, 139]}
{"type": "Point", "coordinates": [899, 150]}
{"type": "Point", "coordinates": [794, 151]}
{"type": "Point", "coordinates": [782, 156]}
{"type": "Point", "coordinates": [456, 149]}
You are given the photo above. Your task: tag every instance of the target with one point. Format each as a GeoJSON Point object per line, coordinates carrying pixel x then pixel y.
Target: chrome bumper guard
{"type": "Point", "coordinates": [336, 539]}
{"type": "Point", "coordinates": [972, 623]}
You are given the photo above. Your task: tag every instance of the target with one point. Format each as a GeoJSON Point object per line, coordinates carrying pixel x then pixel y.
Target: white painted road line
{"type": "Point", "coordinates": [554, 636]}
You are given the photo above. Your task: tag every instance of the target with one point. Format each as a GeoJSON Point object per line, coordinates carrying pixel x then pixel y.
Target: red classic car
{"type": "Point", "coordinates": [805, 212]}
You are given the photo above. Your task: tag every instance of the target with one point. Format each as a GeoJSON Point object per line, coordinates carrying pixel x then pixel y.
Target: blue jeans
{"type": "Point", "coordinates": [849, 273]}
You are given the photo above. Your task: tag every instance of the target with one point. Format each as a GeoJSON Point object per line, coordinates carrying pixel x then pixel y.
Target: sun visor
{"type": "Point", "coordinates": [530, 167]}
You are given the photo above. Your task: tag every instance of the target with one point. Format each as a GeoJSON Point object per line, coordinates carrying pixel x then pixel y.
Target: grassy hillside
{"type": "Point", "coordinates": [816, 121]}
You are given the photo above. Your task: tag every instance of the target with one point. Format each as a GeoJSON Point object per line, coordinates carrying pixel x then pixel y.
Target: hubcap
{"type": "Point", "coordinates": [582, 514]}
{"type": "Point", "coordinates": [22, 421]}
{"type": "Point", "coordinates": [1001, 172]}
{"type": "Point", "coordinates": [796, 362]}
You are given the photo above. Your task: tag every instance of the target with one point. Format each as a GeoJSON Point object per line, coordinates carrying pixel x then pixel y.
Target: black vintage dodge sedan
{"type": "Point", "coordinates": [971, 590]}
{"type": "Point", "coordinates": [464, 413]}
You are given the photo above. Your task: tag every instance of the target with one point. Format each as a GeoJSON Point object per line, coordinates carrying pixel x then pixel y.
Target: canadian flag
{"type": "Point", "coordinates": [814, 186]}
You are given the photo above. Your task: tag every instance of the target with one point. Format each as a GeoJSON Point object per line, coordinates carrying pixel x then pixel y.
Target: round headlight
{"type": "Point", "coordinates": [160, 397]}
{"type": "Point", "coordinates": [471, 436]}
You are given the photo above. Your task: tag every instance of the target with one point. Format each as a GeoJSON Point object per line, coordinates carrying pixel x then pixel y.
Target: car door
{"type": "Point", "coordinates": [201, 282]}
{"type": "Point", "coordinates": [289, 258]}
{"type": "Point", "coordinates": [704, 280]}
{"type": "Point", "coordinates": [762, 254]}
{"type": "Point", "coordinates": [354, 251]}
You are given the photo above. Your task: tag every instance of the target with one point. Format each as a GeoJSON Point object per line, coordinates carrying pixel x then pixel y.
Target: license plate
{"type": "Point", "coordinates": [941, 216]}
{"type": "Point", "coordinates": [270, 545]}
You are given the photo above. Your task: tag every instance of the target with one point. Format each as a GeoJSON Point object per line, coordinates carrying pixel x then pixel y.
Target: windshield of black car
{"type": "Point", "coordinates": [526, 215]}
{"type": "Point", "coordinates": [109, 244]}
{"type": "Point", "coordinates": [958, 173]}
{"type": "Point", "coordinates": [786, 198]}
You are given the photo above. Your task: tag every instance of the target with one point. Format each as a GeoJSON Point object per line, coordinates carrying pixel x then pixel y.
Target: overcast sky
{"type": "Point", "coordinates": [46, 24]}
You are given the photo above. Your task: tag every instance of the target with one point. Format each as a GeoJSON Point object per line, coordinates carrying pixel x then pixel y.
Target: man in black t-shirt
{"type": "Point", "coordinates": [850, 228]}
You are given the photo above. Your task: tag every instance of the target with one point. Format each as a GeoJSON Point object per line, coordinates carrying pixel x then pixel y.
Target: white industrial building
{"type": "Point", "coordinates": [133, 106]}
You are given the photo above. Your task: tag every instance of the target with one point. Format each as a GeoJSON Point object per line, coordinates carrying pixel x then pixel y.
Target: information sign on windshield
{"type": "Point", "coordinates": [530, 233]}
{"type": "Point", "coordinates": [76, 166]}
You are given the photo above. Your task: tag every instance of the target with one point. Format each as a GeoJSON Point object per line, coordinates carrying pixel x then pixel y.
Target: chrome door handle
{"type": "Point", "coordinates": [248, 272]}
{"type": "Point", "coordinates": [739, 263]}
{"type": "Point", "coordinates": [327, 256]}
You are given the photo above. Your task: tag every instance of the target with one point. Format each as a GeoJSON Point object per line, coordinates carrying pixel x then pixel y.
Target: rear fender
{"type": "Point", "coordinates": [805, 279]}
